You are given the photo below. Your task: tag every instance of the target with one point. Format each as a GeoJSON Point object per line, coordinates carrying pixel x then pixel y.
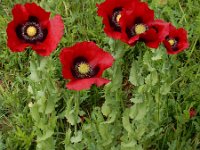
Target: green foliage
{"type": "Point", "coordinates": [145, 106]}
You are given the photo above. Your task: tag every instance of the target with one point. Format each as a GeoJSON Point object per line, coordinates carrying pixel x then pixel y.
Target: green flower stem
{"type": "Point", "coordinates": [113, 92]}
{"type": "Point", "coordinates": [44, 96]}
{"type": "Point", "coordinates": [77, 103]}
{"type": "Point", "coordinates": [158, 101]}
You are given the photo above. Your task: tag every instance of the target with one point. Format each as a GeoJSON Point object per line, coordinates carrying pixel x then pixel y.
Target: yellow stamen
{"type": "Point", "coordinates": [83, 68]}
{"type": "Point", "coordinates": [171, 42]}
{"type": "Point", "coordinates": [140, 28]}
{"type": "Point", "coordinates": [31, 31]}
{"type": "Point", "coordinates": [118, 17]}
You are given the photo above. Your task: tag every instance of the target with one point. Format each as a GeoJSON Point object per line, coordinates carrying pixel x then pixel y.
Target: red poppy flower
{"type": "Point", "coordinates": [84, 64]}
{"type": "Point", "coordinates": [176, 41]}
{"type": "Point", "coordinates": [135, 23]}
{"type": "Point", "coordinates": [192, 112]}
{"type": "Point", "coordinates": [32, 27]}
{"type": "Point", "coordinates": [158, 30]}
{"type": "Point", "coordinates": [111, 10]}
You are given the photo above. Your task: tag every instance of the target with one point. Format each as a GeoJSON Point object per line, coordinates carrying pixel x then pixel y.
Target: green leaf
{"type": "Point", "coordinates": [70, 117]}
{"type": "Point", "coordinates": [140, 131]}
{"type": "Point", "coordinates": [48, 143]}
{"type": "Point", "coordinates": [142, 89]}
{"type": "Point", "coordinates": [69, 111]}
{"type": "Point", "coordinates": [157, 55]}
{"type": "Point", "coordinates": [45, 136]}
{"type": "Point", "coordinates": [34, 112]}
{"type": "Point", "coordinates": [50, 106]}
{"type": "Point", "coordinates": [141, 111]}
{"type": "Point", "coordinates": [2, 146]}
{"type": "Point", "coordinates": [147, 61]}
{"type": "Point", "coordinates": [43, 63]}
{"type": "Point", "coordinates": [105, 134]}
{"type": "Point", "coordinates": [126, 121]}
{"type": "Point", "coordinates": [152, 78]}
{"type": "Point", "coordinates": [41, 100]}
{"type": "Point", "coordinates": [112, 117]}
{"type": "Point", "coordinates": [111, 42]}
{"type": "Point", "coordinates": [77, 138]}
{"type": "Point", "coordinates": [117, 76]}
{"type": "Point", "coordinates": [130, 144]}
{"type": "Point", "coordinates": [165, 89]}
{"type": "Point", "coordinates": [68, 136]}
{"type": "Point", "coordinates": [34, 74]}
{"type": "Point", "coordinates": [133, 78]}
{"type": "Point", "coordinates": [136, 100]}
{"type": "Point", "coordinates": [105, 109]}
{"type": "Point", "coordinates": [138, 111]}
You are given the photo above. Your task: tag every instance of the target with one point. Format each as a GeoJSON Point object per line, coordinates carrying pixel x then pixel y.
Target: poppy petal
{"type": "Point", "coordinates": [95, 56]}
{"type": "Point", "coordinates": [180, 36]}
{"type": "Point", "coordinates": [34, 10]}
{"type": "Point", "coordinates": [13, 42]}
{"type": "Point", "coordinates": [136, 14]}
{"type": "Point", "coordinates": [66, 58]}
{"type": "Point", "coordinates": [55, 32]}
{"type": "Point", "coordinates": [84, 53]}
{"type": "Point", "coordinates": [47, 37]}
{"type": "Point", "coordinates": [160, 29]}
{"type": "Point", "coordinates": [133, 40]}
{"type": "Point", "coordinates": [20, 13]}
{"type": "Point", "coordinates": [150, 38]}
{"type": "Point", "coordinates": [106, 10]}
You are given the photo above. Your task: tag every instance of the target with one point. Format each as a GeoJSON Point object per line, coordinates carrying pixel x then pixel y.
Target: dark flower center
{"type": "Point", "coordinates": [114, 20]}
{"type": "Point", "coordinates": [82, 69]}
{"type": "Point", "coordinates": [31, 31]}
{"type": "Point", "coordinates": [138, 28]}
{"type": "Point", "coordinates": [173, 43]}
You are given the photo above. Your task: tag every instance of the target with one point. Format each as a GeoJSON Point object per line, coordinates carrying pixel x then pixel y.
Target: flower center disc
{"type": "Point", "coordinates": [140, 28]}
{"type": "Point", "coordinates": [83, 68]}
{"type": "Point", "coordinates": [171, 42]}
{"type": "Point", "coordinates": [31, 31]}
{"type": "Point", "coordinates": [118, 17]}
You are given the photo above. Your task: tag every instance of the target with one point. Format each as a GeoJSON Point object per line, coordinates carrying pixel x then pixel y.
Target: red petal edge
{"type": "Point", "coordinates": [85, 84]}
{"type": "Point", "coordinates": [55, 32]}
